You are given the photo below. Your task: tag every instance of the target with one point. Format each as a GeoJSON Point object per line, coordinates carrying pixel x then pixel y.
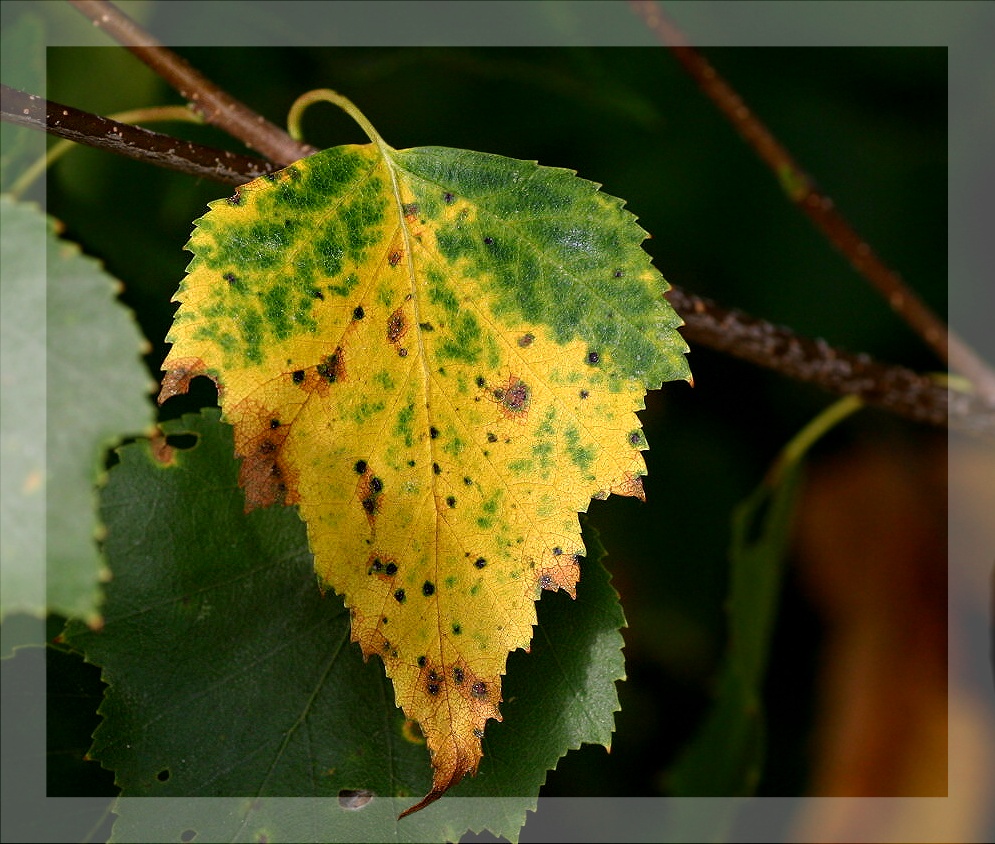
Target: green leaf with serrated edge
{"type": "Point", "coordinates": [58, 420]}
{"type": "Point", "coordinates": [228, 670]}
{"type": "Point", "coordinates": [438, 355]}
{"type": "Point", "coordinates": [22, 66]}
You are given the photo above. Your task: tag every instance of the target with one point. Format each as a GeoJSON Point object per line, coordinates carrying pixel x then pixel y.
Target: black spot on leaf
{"type": "Point", "coordinates": [428, 588]}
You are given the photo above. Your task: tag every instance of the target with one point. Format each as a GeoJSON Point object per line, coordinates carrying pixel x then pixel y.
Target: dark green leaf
{"type": "Point", "coordinates": [230, 675]}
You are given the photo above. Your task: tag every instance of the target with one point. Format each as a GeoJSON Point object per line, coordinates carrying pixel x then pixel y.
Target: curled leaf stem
{"type": "Point", "coordinates": [327, 95]}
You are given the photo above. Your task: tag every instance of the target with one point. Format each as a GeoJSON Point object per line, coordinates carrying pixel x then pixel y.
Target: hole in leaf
{"type": "Point", "coordinates": [163, 775]}
{"type": "Point", "coordinates": [354, 799]}
{"type": "Point", "coordinates": [183, 442]}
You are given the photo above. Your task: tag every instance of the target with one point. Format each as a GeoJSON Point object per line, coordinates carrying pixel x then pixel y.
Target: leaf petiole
{"type": "Point", "coordinates": [327, 95]}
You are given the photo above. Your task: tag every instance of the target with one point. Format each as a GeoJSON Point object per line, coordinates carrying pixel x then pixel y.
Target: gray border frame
{"type": "Point", "coordinates": [31, 816]}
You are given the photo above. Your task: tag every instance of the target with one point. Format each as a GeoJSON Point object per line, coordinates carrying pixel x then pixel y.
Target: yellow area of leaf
{"type": "Point", "coordinates": [438, 428]}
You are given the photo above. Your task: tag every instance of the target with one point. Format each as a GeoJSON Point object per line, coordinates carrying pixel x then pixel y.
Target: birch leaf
{"type": "Point", "coordinates": [438, 356]}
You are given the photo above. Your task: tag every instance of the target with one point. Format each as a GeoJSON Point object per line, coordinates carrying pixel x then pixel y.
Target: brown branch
{"type": "Point", "coordinates": [216, 106]}
{"type": "Point", "coordinates": [801, 189]}
{"type": "Point", "coordinates": [892, 388]}
{"type": "Point", "coordinates": [130, 141]}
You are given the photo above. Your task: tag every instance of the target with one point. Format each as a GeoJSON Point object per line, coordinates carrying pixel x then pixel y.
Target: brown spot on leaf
{"type": "Point", "coordinates": [631, 485]}
{"type": "Point", "coordinates": [162, 451]}
{"type": "Point", "coordinates": [332, 367]}
{"type": "Point", "coordinates": [264, 475]}
{"type": "Point", "coordinates": [394, 258]}
{"type": "Point", "coordinates": [562, 573]}
{"type": "Point", "coordinates": [177, 380]}
{"type": "Point", "coordinates": [397, 326]}
{"type": "Point", "coordinates": [514, 397]}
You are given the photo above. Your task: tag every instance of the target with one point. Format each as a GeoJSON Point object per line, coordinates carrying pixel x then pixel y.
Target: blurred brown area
{"type": "Point", "coordinates": [893, 721]}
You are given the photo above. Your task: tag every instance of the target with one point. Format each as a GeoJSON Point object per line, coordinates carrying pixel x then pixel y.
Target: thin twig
{"type": "Point", "coordinates": [215, 105]}
{"type": "Point", "coordinates": [130, 141]}
{"type": "Point", "coordinates": [801, 189]}
{"type": "Point", "coordinates": [774, 347]}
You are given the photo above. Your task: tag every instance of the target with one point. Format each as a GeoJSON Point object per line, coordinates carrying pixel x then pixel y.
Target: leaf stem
{"type": "Point", "coordinates": [327, 95]}
{"type": "Point", "coordinates": [819, 208]}
{"type": "Point", "coordinates": [801, 442]}
{"type": "Point", "coordinates": [217, 106]}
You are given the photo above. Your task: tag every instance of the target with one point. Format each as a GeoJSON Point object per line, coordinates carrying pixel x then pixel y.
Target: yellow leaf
{"type": "Point", "coordinates": [437, 355]}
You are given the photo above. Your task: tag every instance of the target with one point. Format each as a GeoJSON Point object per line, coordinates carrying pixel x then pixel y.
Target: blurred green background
{"type": "Point", "coordinates": [868, 124]}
